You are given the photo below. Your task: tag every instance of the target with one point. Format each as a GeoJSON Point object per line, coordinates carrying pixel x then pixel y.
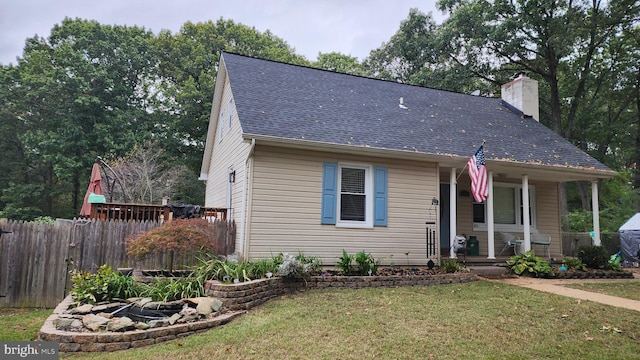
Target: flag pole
{"type": "Point", "coordinates": [467, 164]}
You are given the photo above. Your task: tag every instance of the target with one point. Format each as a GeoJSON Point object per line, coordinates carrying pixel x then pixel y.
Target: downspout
{"type": "Point", "coordinates": [248, 176]}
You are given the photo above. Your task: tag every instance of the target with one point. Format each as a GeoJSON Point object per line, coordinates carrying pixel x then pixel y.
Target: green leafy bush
{"type": "Point", "coordinates": [574, 263]}
{"type": "Point", "coordinates": [594, 257]}
{"type": "Point", "coordinates": [345, 263]}
{"type": "Point", "coordinates": [531, 265]}
{"type": "Point", "coordinates": [451, 265]}
{"type": "Point", "coordinates": [367, 265]}
{"type": "Point", "coordinates": [105, 285]}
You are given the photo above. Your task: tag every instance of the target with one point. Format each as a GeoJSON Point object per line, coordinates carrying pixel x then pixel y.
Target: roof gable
{"type": "Point", "coordinates": [299, 103]}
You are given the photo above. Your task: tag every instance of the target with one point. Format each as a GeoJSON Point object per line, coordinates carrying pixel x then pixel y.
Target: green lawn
{"type": "Point", "coordinates": [628, 290]}
{"type": "Point", "coordinates": [22, 324]}
{"type": "Point", "coordinates": [476, 320]}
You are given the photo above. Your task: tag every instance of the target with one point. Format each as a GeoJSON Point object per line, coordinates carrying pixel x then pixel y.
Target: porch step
{"type": "Point", "coordinates": [489, 271]}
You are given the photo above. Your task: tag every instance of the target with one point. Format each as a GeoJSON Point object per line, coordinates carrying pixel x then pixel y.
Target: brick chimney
{"type": "Point", "coordinates": [522, 93]}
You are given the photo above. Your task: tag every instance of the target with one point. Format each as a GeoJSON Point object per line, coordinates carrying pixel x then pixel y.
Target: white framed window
{"type": "Point", "coordinates": [507, 208]}
{"type": "Point", "coordinates": [355, 195]}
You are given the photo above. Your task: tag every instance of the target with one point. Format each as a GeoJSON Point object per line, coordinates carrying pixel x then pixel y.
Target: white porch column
{"type": "Point", "coordinates": [491, 252]}
{"type": "Point", "coordinates": [595, 205]}
{"type": "Point", "coordinates": [452, 212]}
{"type": "Point", "coordinates": [526, 227]}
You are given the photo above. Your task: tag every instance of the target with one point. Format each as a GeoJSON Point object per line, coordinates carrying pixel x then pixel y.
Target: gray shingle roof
{"type": "Point", "coordinates": [300, 103]}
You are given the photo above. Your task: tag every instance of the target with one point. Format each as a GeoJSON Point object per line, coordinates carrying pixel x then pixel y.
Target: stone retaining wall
{"type": "Point", "coordinates": [244, 296]}
{"type": "Point", "coordinates": [237, 298]}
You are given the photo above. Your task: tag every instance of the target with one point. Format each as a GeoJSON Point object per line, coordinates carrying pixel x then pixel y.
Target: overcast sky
{"type": "Point", "coordinates": [351, 27]}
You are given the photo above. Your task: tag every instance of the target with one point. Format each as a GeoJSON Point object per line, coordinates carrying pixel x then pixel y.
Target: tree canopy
{"type": "Point", "coordinates": [90, 90]}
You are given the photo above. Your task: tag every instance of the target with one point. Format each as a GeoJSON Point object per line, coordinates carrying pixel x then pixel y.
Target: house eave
{"type": "Point", "coordinates": [502, 169]}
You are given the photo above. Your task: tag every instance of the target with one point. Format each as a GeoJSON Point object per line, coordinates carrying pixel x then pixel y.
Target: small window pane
{"type": "Point", "coordinates": [352, 181]}
{"type": "Point", "coordinates": [352, 207]}
{"type": "Point", "coordinates": [478, 212]}
{"type": "Point", "coordinates": [504, 204]}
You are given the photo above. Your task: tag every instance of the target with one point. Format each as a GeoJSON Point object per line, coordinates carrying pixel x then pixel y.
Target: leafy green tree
{"type": "Point", "coordinates": [337, 62]}
{"type": "Point", "coordinates": [187, 72]}
{"type": "Point", "coordinates": [531, 36]}
{"type": "Point", "coordinates": [84, 94]}
{"type": "Point", "coordinates": [419, 54]}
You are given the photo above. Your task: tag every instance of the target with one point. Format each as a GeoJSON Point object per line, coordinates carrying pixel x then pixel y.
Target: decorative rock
{"type": "Point", "coordinates": [76, 325]}
{"type": "Point", "coordinates": [83, 309]}
{"type": "Point", "coordinates": [142, 326]}
{"type": "Point", "coordinates": [120, 324]}
{"type": "Point", "coordinates": [63, 323]}
{"type": "Point", "coordinates": [216, 304]}
{"type": "Point", "coordinates": [158, 323]}
{"type": "Point", "coordinates": [107, 308]}
{"type": "Point", "coordinates": [94, 322]}
{"type": "Point", "coordinates": [105, 315]}
{"type": "Point", "coordinates": [142, 302]}
{"type": "Point", "coordinates": [204, 307]}
{"type": "Point", "coordinates": [187, 314]}
{"type": "Point", "coordinates": [174, 318]}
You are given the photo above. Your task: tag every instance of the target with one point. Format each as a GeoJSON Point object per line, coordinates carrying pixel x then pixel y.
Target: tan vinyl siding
{"type": "Point", "coordinates": [548, 217]}
{"type": "Point", "coordinates": [286, 206]}
{"type": "Point", "coordinates": [231, 151]}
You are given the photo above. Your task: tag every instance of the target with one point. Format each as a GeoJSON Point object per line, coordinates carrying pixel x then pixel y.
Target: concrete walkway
{"type": "Point", "coordinates": [557, 286]}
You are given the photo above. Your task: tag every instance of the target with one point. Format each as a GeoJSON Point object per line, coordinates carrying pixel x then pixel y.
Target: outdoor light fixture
{"type": "Point", "coordinates": [232, 176]}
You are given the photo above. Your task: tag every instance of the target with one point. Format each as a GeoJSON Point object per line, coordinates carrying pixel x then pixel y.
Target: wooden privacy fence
{"type": "Point", "coordinates": [35, 259]}
{"type": "Point", "coordinates": [571, 241]}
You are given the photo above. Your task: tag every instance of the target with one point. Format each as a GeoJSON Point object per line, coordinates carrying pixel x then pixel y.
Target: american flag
{"type": "Point", "coordinates": [478, 176]}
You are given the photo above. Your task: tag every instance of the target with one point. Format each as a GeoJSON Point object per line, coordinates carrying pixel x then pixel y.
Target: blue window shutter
{"type": "Point", "coordinates": [380, 196]}
{"type": "Point", "coordinates": [329, 192]}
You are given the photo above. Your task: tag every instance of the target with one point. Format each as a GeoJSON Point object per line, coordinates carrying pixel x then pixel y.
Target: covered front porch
{"type": "Point", "coordinates": [505, 208]}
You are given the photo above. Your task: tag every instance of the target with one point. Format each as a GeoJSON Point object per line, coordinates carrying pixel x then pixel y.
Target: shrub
{"type": "Point", "coordinates": [345, 263]}
{"type": "Point", "coordinates": [594, 257]}
{"type": "Point", "coordinates": [367, 265]}
{"type": "Point", "coordinates": [574, 263]}
{"type": "Point", "coordinates": [451, 265]}
{"type": "Point", "coordinates": [105, 285]}
{"type": "Point", "coordinates": [186, 236]}
{"type": "Point", "coordinates": [529, 264]}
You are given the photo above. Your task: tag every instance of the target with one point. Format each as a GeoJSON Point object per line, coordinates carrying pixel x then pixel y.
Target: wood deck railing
{"type": "Point", "coordinates": [142, 212]}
